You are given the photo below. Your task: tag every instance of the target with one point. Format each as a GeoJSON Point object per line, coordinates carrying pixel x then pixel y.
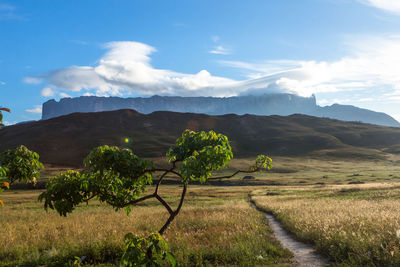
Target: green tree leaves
{"type": "Point", "coordinates": [114, 175]}
{"type": "Point", "coordinates": [64, 192]}
{"type": "Point", "coordinates": [21, 164]}
{"type": "Point", "coordinates": [3, 170]}
{"type": "Point", "coordinates": [1, 116]}
{"type": "Point", "coordinates": [150, 251]}
{"type": "Point", "coordinates": [117, 176]}
{"type": "Point", "coordinates": [262, 162]}
{"type": "Point", "coordinates": [200, 153]}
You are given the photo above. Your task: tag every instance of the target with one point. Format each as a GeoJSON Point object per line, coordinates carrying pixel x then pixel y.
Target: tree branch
{"type": "Point", "coordinates": [165, 204]}
{"type": "Point", "coordinates": [162, 176]}
{"type": "Point", "coordinates": [89, 198]}
{"type": "Point", "coordinates": [182, 198]}
{"type": "Point", "coordinates": [138, 200]}
{"type": "Point", "coordinates": [230, 176]}
{"type": "Point", "coordinates": [173, 215]}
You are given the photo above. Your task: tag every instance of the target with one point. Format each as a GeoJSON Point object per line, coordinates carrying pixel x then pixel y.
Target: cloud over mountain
{"type": "Point", "coordinates": [392, 6]}
{"type": "Point", "coordinates": [371, 64]}
{"type": "Point", "coordinates": [126, 67]}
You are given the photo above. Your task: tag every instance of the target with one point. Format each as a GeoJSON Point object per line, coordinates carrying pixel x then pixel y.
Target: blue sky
{"type": "Point", "coordinates": [343, 51]}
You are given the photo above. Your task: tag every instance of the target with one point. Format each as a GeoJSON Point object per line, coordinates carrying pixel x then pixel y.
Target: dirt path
{"type": "Point", "coordinates": [304, 254]}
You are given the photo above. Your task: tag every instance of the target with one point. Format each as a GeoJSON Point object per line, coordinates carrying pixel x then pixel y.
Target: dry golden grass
{"type": "Point", "coordinates": [216, 227]}
{"type": "Point", "coordinates": [356, 225]}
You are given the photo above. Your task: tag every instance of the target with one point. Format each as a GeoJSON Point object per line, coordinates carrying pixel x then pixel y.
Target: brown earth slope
{"type": "Point", "coordinates": [66, 140]}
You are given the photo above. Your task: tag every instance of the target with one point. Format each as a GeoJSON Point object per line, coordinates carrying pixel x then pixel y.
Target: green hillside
{"type": "Point", "coordinates": [66, 140]}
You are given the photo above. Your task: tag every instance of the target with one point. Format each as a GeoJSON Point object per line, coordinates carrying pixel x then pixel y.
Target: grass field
{"type": "Point", "coordinates": [312, 170]}
{"type": "Point", "coordinates": [353, 225]}
{"type": "Point", "coordinates": [217, 226]}
{"type": "Point", "coordinates": [350, 210]}
{"type": "Point", "coordinates": [319, 170]}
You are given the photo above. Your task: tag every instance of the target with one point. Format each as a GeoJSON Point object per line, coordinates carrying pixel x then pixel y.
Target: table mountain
{"type": "Point", "coordinates": [267, 104]}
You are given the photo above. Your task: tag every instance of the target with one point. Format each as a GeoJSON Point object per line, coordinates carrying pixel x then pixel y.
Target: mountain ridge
{"type": "Point", "coordinates": [267, 104]}
{"type": "Point", "coordinates": [67, 139]}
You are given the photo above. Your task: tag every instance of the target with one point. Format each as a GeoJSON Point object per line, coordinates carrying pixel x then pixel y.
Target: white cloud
{"type": "Point", "coordinates": [36, 110]}
{"type": "Point", "coordinates": [396, 116]}
{"type": "Point", "coordinates": [261, 68]}
{"type": "Point", "coordinates": [126, 67]}
{"type": "Point", "coordinates": [33, 80]}
{"type": "Point", "coordinates": [2, 83]}
{"type": "Point", "coordinates": [220, 50]}
{"type": "Point", "coordinates": [392, 6]}
{"type": "Point", "coordinates": [47, 92]}
{"type": "Point", "coordinates": [372, 64]}
{"type": "Point", "coordinates": [371, 67]}
{"type": "Point", "coordinates": [64, 95]}
{"type": "Point", "coordinates": [8, 123]}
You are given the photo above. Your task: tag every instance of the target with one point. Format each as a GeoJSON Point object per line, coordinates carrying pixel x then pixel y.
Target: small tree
{"type": "Point", "coordinates": [19, 164]}
{"type": "Point", "coordinates": [1, 116]}
{"type": "Point", "coordinates": [119, 178]}
{"type": "Point", "coordinates": [3, 183]}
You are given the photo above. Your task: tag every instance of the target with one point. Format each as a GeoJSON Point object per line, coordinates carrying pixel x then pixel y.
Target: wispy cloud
{"type": "Point", "coordinates": [126, 67]}
{"type": "Point", "coordinates": [392, 6]}
{"type": "Point", "coordinates": [8, 123]}
{"type": "Point", "coordinates": [47, 92]}
{"type": "Point", "coordinates": [36, 110]}
{"type": "Point", "coordinates": [396, 116]}
{"type": "Point", "coordinates": [8, 12]}
{"type": "Point", "coordinates": [63, 95]}
{"type": "Point", "coordinates": [260, 69]}
{"type": "Point", "coordinates": [220, 50]}
{"type": "Point", "coordinates": [33, 80]}
{"type": "Point", "coordinates": [2, 83]}
{"type": "Point", "coordinates": [372, 63]}
{"type": "Point", "coordinates": [371, 67]}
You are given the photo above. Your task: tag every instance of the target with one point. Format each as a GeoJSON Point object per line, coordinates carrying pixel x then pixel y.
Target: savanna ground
{"type": "Point", "coordinates": [216, 227]}
{"type": "Point", "coordinates": [349, 209]}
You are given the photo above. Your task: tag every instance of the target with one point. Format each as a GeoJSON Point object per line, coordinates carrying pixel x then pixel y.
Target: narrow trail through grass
{"type": "Point", "coordinates": [304, 254]}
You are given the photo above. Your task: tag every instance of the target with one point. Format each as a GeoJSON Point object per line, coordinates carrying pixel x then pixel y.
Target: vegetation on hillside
{"type": "Point", "coordinates": [152, 134]}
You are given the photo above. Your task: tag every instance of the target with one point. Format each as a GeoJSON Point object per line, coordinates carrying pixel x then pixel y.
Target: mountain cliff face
{"type": "Point", "coordinates": [271, 104]}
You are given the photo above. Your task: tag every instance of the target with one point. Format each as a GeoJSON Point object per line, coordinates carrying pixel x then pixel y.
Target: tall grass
{"type": "Point", "coordinates": [352, 225]}
{"type": "Point", "coordinates": [216, 227]}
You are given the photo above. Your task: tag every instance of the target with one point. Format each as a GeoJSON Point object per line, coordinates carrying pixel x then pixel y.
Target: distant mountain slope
{"type": "Point", "coordinates": [66, 140]}
{"type": "Point", "coordinates": [352, 113]}
{"type": "Point", "coordinates": [268, 104]}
